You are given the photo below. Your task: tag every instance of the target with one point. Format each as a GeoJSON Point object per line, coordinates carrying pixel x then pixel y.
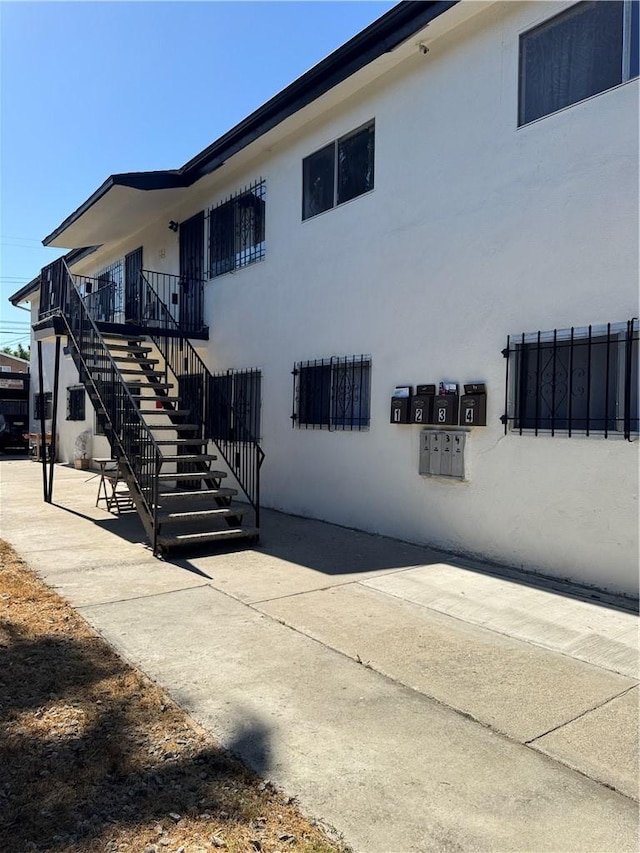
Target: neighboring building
{"type": "Point", "coordinates": [14, 403]}
{"type": "Point", "coordinates": [13, 364]}
{"type": "Point", "coordinates": [451, 197]}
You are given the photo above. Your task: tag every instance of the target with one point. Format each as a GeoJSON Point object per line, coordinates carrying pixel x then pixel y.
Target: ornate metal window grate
{"type": "Point", "coordinates": [333, 393]}
{"type": "Point", "coordinates": [573, 381]}
{"type": "Point", "coordinates": [236, 229]}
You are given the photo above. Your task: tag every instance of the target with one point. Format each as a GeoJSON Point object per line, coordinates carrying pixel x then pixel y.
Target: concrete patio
{"type": "Point", "coordinates": [413, 701]}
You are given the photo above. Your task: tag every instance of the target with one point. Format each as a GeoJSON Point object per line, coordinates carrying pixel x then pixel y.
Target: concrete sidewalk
{"type": "Point", "coordinates": [412, 701]}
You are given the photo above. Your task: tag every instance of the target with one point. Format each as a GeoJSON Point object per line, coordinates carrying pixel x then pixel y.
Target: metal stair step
{"type": "Point", "coordinates": [181, 412]}
{"type": "Point", "coordinates": [210, 536]}
{"type": "Point", "coordinates": [160, 398]}
{"type": "Point", "coordinates": [198, 494]}
{"type": "Point", "coordinates": [155, 385]}
{"type": "Point", "coordinates": [194, 475]}
{"type": "Point", "coordinates": [127, 359]}
{"type": "Point", "coordinates": [150, 374]}
{"type": "Point", "coordinates": [183, 442]}
{"type": "Point", "coordinates": [191, 457]}
{"type": "Point", "coordinates": [201, 515]}
{"type": "Point", "coordinates": [128, 348]}
{"type": "Point", "coordinates": [179, 427]}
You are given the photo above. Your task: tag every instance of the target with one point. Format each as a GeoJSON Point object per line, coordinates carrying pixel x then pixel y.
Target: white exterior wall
{"type": "Point", "coordinates": [476, 229]}
{"type": "Point", "coordinates": [67, 431]}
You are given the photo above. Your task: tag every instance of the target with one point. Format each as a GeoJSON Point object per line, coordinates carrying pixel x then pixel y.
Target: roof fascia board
{"type": "Point", "coordinates": [381, 37]}
{"type": "Point", "coordinates": [157, 180]}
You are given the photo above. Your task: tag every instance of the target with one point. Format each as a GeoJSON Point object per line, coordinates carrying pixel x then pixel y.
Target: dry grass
{"type": "Point", "coordinates": [95, 757]}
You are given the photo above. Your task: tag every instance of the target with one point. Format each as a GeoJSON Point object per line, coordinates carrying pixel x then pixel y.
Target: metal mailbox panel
{"type": "Point", "coordinates": [442, 454]}
{"type": "Point", "coordinates": [425, 448]}
{"type": "Point", "coordinates": [457, 454]}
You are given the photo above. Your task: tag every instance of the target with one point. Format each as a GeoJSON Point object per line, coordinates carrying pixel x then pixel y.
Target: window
{"type": "Point", "coordinates": [338, 172]}
{"type": "Point", "coordinates": [234, 405]}
{"type": "Point", "coordinates": [38, 406]}
{"type": "Point", "coordinates": [75, 404]}
{"type": "Point", "coordinates": [574, 380]}
{"type": "Point", "coordinates": [237, 231]}
{"type": "Point", "coordinates": [584, 50]}
{"type": "Point", "coordinates": [332, 393]}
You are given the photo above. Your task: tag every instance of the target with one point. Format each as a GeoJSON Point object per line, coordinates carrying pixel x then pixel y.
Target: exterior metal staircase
{"type": "Point", "coordinates": [152, 397]}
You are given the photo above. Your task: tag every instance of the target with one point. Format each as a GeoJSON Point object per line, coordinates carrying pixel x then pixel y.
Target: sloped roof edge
{"type": "Point", "coordinates": [380, 37]}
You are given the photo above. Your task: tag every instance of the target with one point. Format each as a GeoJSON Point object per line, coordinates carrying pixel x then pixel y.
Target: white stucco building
{"type": "Point", "coordinates": [455, 180]}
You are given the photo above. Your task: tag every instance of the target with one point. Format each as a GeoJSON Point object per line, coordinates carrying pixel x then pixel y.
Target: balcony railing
{"type": "Point", "coordinates": [134, 302]}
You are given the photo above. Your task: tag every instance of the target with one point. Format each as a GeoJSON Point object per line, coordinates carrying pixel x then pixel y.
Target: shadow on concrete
{"type": "Point", "coordinates": [126, 525]}
{"type": "Point", "coordinates": [84, 752]}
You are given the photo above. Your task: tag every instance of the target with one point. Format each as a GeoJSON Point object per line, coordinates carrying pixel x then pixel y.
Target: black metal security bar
{"type": "Point", "coordinates": [130, 438]}
{"type": "Point", "coordinates": [111, 300]}
{"type": "Point", "coordinates": [239, 448]}
{"type": "Point", "coordinates": [578, 380]}
{"type": "Point", "coordinates": [236, 230]}
{"type": "Point", "coordinates": [332, 393]}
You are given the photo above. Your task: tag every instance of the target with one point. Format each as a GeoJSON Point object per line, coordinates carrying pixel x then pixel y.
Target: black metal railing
{"type": "Point", "coordinates": [118, 300]}
{"type": "Point", "coordinates": [573, 381]}
{"type": "Point", "coordinates": [199, 394]}
{"type": "Point", "coordinates": [118, 413]}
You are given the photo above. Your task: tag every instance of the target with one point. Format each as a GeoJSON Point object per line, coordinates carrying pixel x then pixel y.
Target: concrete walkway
{"type": "Point", "coordinates": [414, 702]}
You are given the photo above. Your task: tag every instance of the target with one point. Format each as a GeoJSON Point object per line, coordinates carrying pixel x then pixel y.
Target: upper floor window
{"type": "Point", "coordinates": [338, 172]}
{"type": "Point", "coordinates": [578, 53]}
{"type": "Point", "coordinates": [574, 380]}
{"type": "Point", "coordinates": [237, 230]}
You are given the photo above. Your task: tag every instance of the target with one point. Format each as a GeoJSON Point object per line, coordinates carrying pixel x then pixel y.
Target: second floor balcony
{"type": "Point", "coordinates": [148, 300]}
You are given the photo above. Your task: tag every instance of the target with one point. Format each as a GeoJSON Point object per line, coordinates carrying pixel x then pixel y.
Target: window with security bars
{"type": "Point", "coordinates": [574, 381]}
{"type": "Point", "coordinates": [43, 403]}
{"type": "Point", "coordinates": [584, 50]}
{"type": "Point", "coordinates": [75, 404]}
{"type": "Point", "coordinates": [340, 171]}
{"type": "Point", "coordinates": [234, 405]}
{"type": "Point", "coordinates": [236, 230]}
{"type": "Point", "coordinates": [332, 393]}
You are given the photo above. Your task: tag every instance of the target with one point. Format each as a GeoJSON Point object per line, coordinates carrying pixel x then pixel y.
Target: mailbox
{"type": "Point", "coordinates": [422, 404]}
{"type": "Point", "coordinates": [445, 409]}
{"type": "Point", "coordinates": [442, 453]}
{"type": "Point", "coordinates": [473, 406]}
{"type": "Point", "coordinates": [401, 405]}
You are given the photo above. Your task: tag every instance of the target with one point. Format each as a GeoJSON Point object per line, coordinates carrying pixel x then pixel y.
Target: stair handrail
{"type": "Point", "coordinates": [160, 342]}
{"type": "Point", "coordinates": [67, 315]}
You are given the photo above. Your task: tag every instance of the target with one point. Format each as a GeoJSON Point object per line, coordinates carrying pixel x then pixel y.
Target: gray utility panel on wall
{"type": "Point", "coordinates": [442, 453]}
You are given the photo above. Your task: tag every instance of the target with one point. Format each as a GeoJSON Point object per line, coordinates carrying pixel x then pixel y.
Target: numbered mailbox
{"type": "Point", "coordinates": [422, 404]}
{"type": "Point", "coordinates": [445, 409]}
{"type": "Point", "coordinates": [473, 406]}
{"type": "Point", "coordinates": [401, 405]}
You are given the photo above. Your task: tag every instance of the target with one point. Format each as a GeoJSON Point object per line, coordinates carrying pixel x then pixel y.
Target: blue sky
{"type": "Point", "coordinates": [88, 89]}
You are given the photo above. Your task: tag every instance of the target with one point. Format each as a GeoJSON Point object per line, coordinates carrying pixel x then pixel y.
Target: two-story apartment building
{"type": "Point", "coordinates": [448, 200]}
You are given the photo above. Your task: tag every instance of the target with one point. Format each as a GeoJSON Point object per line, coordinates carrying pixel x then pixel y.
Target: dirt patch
{"type": "Point", "coordinates": [96, 757]}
